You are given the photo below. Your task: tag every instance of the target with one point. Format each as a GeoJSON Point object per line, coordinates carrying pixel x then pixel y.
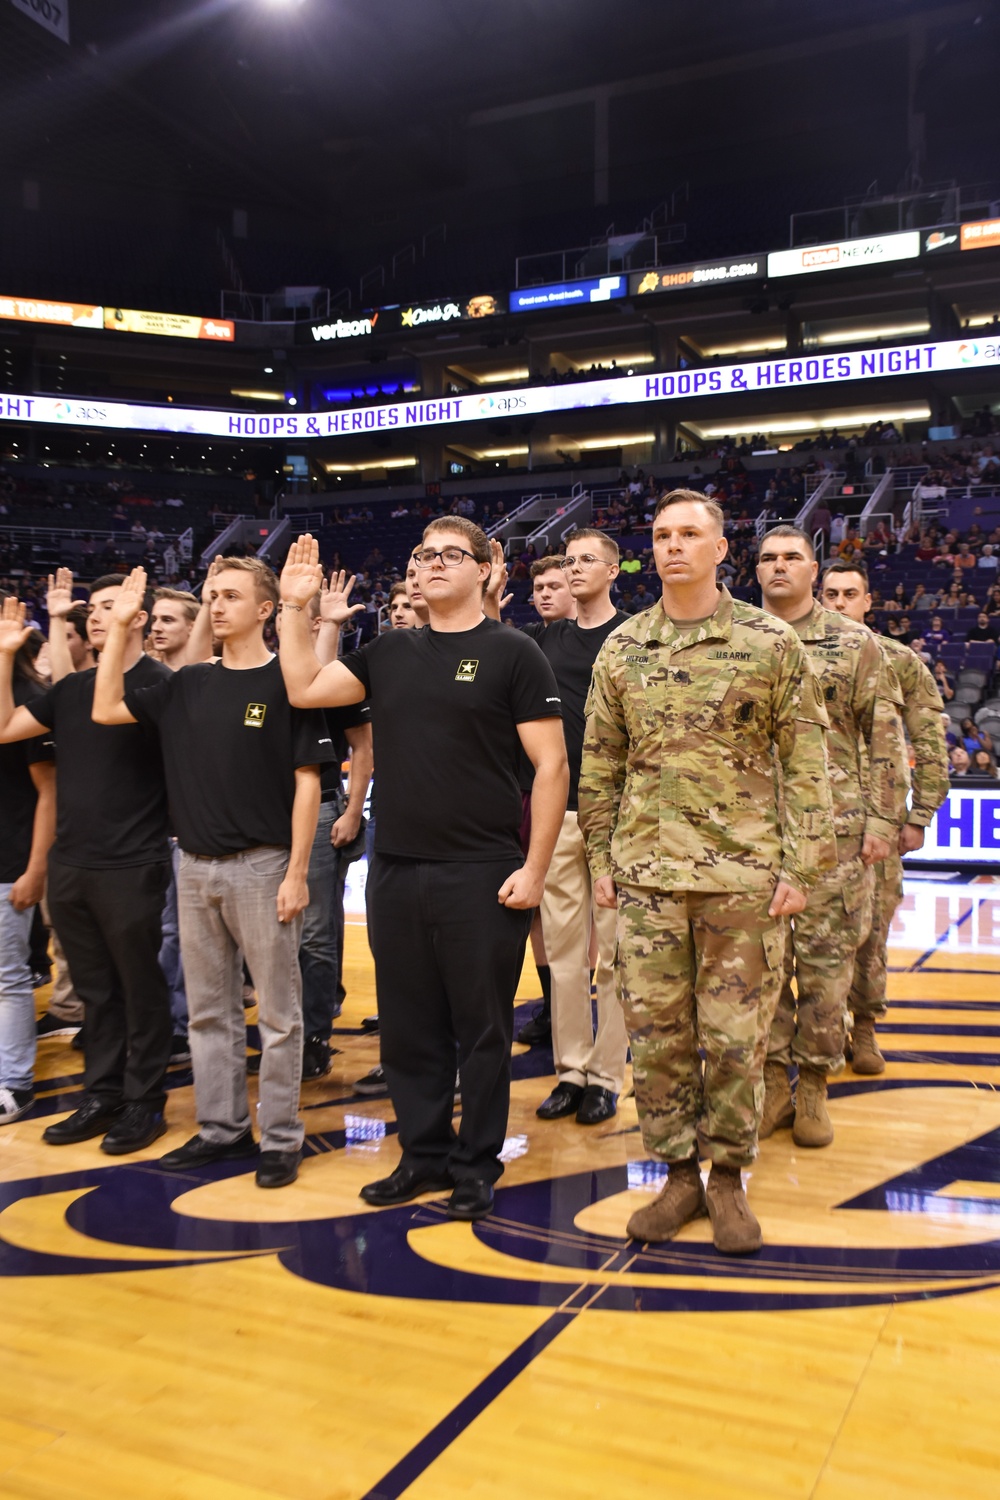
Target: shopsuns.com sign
{"type": "Point", "coordinates": [634, 390]}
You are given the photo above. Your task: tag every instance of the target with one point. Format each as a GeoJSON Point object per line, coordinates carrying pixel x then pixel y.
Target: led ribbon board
{"type": "Point", "coordinates": [802, 372]}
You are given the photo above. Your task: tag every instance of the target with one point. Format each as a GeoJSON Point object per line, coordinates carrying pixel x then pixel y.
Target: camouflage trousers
{"type": "Point", "coordinates": [698, 970]}
{"type": "Point", "coordinates": [821, 953]}
{"type": "Point", "coordinates": [867, 994]}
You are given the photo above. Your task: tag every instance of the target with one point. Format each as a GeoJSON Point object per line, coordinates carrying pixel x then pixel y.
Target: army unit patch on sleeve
{"type": "Point", "coordinates": [466, 670]}
{"type": "Point", "coordinates": [254, 716]}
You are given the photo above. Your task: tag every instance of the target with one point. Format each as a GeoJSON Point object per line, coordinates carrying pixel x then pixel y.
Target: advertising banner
{"type": "Point", "coordinates": [937, 240]}
{"type": "Point", "coordinates": [416, 315]}
{"type": "Point", "coordinates": [169, 325]}
{"type": "Point", "coordinates": [965, 829]}
{"type": "Point", "coordinates": [842, 253]}
{"type": "Point", "coordinates": [567, 294]}
{"type": "Point", "coordinates": [815, 371]}
{"type": "Point", "coordinates": [69, 314]}
{"type": "Point", "coordinates": [702, 273]}
{"type": "Point", "coordinates": [52, 14]}
{"type": "Point", "coordinates": [982, 235]}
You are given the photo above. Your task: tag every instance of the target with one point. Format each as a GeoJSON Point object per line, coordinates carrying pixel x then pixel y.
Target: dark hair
{"type": "Point", "coordinates": [848, 565]}
{"type": "Point", "coordinates": [787, 529]}
{"type": "Point", "coordinates": [396, 590]}
{"type": "Point", "coordinates": [462, 526]}
{"type": "Point", "coordinates": [115, 581]}
{"type": "Point", "coordinates": [77, 617]}
{"type": "Point", "coordinates": [545, 565]}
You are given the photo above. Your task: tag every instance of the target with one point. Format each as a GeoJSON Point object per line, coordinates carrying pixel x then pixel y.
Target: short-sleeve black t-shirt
{"type": "Point", "coordinates": [338, 722]}
{"type": "Point", "coordinates": [111, 800]}
{"type": "Point", "coordinates": [17, 791]}
{"type": "Point", "coordinates": [571, 652]}
{"type": "Point", "coordinates": [231, 742]}
{"type": "Point", "coordinates": [445, 711]}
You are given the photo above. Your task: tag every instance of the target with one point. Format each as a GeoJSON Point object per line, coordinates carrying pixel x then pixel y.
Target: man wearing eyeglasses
{"type": "Point", "coordinates": [590, 1067]}
{"type": "Point", "coordinates": [450, 893]}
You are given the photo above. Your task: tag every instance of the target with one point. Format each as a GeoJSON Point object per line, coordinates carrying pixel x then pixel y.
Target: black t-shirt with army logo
{"type": "Point", "coordinates": [231, 742]}
{"type": "Point", "coordinates": [445, 711]}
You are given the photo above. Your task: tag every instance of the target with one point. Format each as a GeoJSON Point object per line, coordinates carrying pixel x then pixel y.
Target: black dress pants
{"type": "Point", "coordinates": [448, 959]}
{"type": "Point", "coordinates": [110, 926]}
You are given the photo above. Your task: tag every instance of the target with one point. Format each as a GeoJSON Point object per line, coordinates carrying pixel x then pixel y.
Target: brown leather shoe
{"type": "Point", "coordinates": [735, 1231]}
{"type": "Point", "coordinates": [779, 1111]}
{"type": "Point", "coordinates": [681, 1200]}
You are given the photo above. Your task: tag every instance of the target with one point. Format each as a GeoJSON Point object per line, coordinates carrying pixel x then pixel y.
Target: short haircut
{"type": "Point", "coordinates": [265, 581]}
{"type": "Point", "coordinates": [187, 602]}
{"type": "Point", "coordinates": [786, 529]}
{"type": "Point", "coordinates": [396, 590]}
{"type": "Point", "coordinates": [462, 526]}
{"type": "Point", "coordinates": [77, 617]}
{"type": "Point", "coordinates": [106, 581]}
{"type": "Point", "coordinates": [689, 497]}
{"type": "Point", "coordinates": [848, 565]}
{"type": "Point", "coordinates": [585, 532]}
{"type": "Point", "coordinates": [545, 565]}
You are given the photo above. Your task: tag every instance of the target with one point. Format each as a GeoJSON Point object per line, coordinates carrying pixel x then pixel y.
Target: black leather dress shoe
{"type": "Point", "coordinates": [596, 1105]}
{"type": "Point", "coordinates": [564, 1100]}
{"type": "Point", "coordinates": [137, 1127]}
{"type": "Point", "coordinates": [472, 1199]}
{"type": "Point", "coordinates": [197, 1152]}
{"type": "Point", "coordinates": [277, 1168]}
{"type": "Point", "coordinates": [94, 1117]}
{"type": "Point", "coordinates": [403, 1185]}
{"type": "Point", "coordinates": [538, 1031]}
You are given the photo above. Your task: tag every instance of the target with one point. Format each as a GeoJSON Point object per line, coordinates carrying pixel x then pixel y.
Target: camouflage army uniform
{"type": "Point", "coordinates": [862, 700]}
{"type": "Point", "coordinates": [678, 803]}
{"type": "Point", "coordinates": [922, 710]}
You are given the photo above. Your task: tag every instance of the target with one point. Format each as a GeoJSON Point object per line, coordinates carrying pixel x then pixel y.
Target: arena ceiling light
{"type": "Point", "coordinates": [374, 463]}
{"type": "Point", "coordinates": [809, 421]}
{"type": "Point", "coordinates": [253, 395]}
{"type": "Point", "coordinates": [855, 335]}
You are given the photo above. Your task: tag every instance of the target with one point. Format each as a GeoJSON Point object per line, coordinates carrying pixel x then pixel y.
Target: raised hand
{"type": "Point", "coordinates": [334, 596]}
{"type": "Point", "coordinates": [498, 573]}
{"type": "Point", "coordinates": [13, 631]}
{"type": "Point", "coordinates": [302, 576]}
{"type": "Point", "coordinates": [59, 599]}
{"type": "Point", "coordinates": [130, 597]}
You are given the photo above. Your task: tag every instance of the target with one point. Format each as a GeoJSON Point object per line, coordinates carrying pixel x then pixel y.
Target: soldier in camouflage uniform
{"type": "Point", "coordinates": [690, 702]}
{"type": "Point", "coordinates": [869, 787]}
{"type": "Point", "coordinates": [845, 589]}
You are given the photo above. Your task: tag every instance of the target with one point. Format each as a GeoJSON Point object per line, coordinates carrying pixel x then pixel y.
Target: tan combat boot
{"type": "Point", "coordinates": [779, 1111]}
{"type": "Point", "coordinates": [735, 1231]}
{"type": "Point", "coordinates": [865, 1054]}
{"type": "Point", "coordinates": [812, 1123]}
{"type": "Point", "coordinates": [681, 1199]}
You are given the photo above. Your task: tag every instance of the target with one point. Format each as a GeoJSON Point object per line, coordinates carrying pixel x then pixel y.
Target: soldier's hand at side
{"type": "Point", "coordinates": [911, 837]}
{"type": "Point", "coordinates": [787, 900]}
{"type": "Point", "coordinates": [873, 849]}
{"type": "Point", "coordinates": [606, 892]}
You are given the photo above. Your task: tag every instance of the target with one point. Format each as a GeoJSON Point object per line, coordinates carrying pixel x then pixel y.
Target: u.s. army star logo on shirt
{"type": "Point", "coordinates": [254, 716]}
{"type": "Point", "coordinates": [466, 670]}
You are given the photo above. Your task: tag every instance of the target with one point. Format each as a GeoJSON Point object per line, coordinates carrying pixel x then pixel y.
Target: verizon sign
{"type": "Point", "coordinates": [844, 253]}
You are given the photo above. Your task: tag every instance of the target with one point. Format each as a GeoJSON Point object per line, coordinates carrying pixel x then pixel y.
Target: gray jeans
{"type": "Point", "coordinates": [227, 907]}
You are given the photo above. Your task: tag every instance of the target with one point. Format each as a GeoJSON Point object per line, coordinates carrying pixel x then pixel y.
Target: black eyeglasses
{"type": "Point", "coordinates": [450, 556]}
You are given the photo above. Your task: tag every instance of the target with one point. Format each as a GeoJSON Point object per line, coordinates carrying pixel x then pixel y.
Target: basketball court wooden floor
{"type": "Point", "coordinates": [199, 1339]}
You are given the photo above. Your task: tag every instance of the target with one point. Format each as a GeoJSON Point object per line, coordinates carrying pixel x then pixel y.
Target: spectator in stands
{"type": "Point", "coordinates": [878, 538]}
{"type": "Point", "coordinates": [27, 828]}
{"type": "Point", "coordinates": [965, 558]}
{"type": "Point", "coordinates": [984, 629]}
{"type": "Point", "coordinates": [108, 875]}
{"type": "Point", "coordinates": [983, 764]}
{"type": "Point", "coordinates": [630, 564]}
{"type": "Point", "coordinates": [851, 547]}
{"type": "Point", "coordinates": [972, 736]}
{"type": "Point", "coordinates": [937, 635]}
{"type": "Point", "coordinates": [921, 599]}
{"type": "Point", "coordinates": [900, 595]}
{"type": "Point", "coordinates": [959, 761]}
{"type": "Point", "coordinates": [926, 551]}
{"type": "Point", "coordinates": [919, 648]}
{"type": "Point", "coordinates": [945, 685]}
{"type": "Point", "coordinates": [988, 558]}
{"type": "Point", "coordinates": [992, 602]}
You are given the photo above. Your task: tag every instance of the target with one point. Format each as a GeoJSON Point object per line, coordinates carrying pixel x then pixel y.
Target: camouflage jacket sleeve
{"type": "Point", "coordinates": [922, 710]}
{"type": "Point", "coordinates": [602, 769]}
{"type": "Point", "coordinates": [809, 845]}
{"type": "Point", "coordinates": [878, 707]}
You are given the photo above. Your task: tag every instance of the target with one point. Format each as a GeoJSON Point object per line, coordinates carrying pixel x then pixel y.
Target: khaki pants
{"type": "Point", "coordinates": [567, 909]}
{"type": "Point", "coordinates": [64, 1003]}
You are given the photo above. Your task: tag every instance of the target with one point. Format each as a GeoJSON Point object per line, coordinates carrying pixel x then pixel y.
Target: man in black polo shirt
{"type": "Point", "coordinates": [590, 1067]}
{"type": "Point", "coordinates": [450, 892]}
{"type": "Point", "coordinates": [108, 872]}
{"type": "Point", "coordinates": [242, 771]}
